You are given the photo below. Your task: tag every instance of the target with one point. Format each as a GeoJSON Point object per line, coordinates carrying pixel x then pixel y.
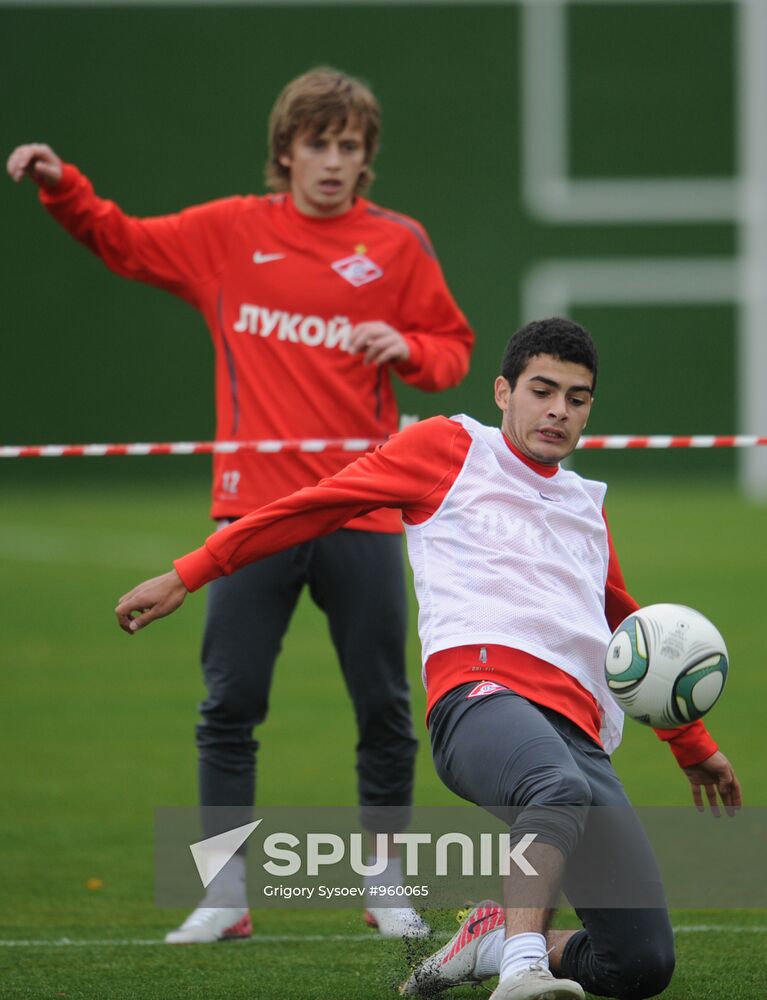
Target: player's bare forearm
{"type": "Point", "coordinates": [152, 599]}
{"type": "Point", "coordinates": [715, 775]}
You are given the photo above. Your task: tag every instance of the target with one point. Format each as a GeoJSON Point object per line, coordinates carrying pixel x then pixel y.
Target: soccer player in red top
{"type": "Point", "coordinates": [519, 588]}
{"type": "Point", "coordinates": [314, 298]}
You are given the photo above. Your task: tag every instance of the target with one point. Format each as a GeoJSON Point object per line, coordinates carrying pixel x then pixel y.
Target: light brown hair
{"type": "Point", "coordinates": [320, 99]}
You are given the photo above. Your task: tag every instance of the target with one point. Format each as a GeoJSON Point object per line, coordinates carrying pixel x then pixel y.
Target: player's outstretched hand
{"type": "Point", "coordinates": [152, 599]}
{"type": "Point", "coordinates": [36, 161]}
{"type": "Point", "coordinates": [381, 343]}
{"type": "Point", "coordinates": [715, 774]}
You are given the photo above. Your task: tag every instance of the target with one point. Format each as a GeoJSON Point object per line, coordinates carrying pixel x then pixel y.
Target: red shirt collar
{"type": "Point", "coordinates": [543, 470]}
{"type": "Point", "coordinates": [358, 208]}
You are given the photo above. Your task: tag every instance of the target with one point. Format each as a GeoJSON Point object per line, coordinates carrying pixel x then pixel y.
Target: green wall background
{"type": "Point", "coordinates": [166, 106]}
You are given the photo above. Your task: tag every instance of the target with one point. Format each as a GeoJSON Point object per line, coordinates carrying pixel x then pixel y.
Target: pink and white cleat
{"type": "Point", "coordinates": [454, 964]}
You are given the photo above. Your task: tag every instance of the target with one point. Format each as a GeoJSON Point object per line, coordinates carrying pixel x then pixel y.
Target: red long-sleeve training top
{"type": "Point", "coordinates": [280, 293]}
{"type": "Point", "coordinates": [412, 473]}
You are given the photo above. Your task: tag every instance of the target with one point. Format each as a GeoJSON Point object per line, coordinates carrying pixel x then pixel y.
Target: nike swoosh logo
{"type": "Point", "coordinates": [477, 922]}
{"type": "Point", "coordinates": [264, 258]}
{"type": "Point", "coordinates": [544, 497]}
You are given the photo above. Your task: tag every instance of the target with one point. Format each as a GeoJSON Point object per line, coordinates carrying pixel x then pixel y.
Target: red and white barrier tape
{"type": "Point", "coordinates": [605, 442]}
{"type": "Point", "coordinates": [616, 441]}
{"type": "Point", "coordinates": [184, 448]}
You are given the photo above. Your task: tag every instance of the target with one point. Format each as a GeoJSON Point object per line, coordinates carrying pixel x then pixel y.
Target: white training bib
{"type": "Point", "coordinates": [516, 559]}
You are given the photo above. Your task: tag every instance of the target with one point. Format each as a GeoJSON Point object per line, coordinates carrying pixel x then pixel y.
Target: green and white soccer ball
{"type": "Point", "coordinates": [666, 665]}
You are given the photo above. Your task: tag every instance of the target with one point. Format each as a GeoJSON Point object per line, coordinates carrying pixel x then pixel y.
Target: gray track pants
{"type": "Point", "coordinates": [356, 578]}
{"type": "Point", "coordinates": [502, 750]}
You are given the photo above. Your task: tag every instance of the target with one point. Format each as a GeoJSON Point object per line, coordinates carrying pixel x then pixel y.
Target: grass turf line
{"type": "Point", "coordinates": [96, 730]}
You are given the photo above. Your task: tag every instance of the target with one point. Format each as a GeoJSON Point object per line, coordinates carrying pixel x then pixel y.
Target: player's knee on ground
{"type": "Point", "coordinates": [639, 969]}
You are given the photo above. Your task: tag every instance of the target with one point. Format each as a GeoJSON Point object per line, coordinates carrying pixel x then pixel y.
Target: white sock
{"type": "Point", "coordinates": [391, 875]}
{"type": "Point", "coordinates": [521, 951]}
{"type": "Point", "coordinates": [228, 888]}
{"type": "Point", "coordinates": [489, 954]}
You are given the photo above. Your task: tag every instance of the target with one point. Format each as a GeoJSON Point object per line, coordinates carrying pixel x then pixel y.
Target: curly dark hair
{"type": "Point", "coordinates": [560, 338]}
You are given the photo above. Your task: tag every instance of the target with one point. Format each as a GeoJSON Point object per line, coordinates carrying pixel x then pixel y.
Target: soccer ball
{"type": "Point", "coordinates": [666, 665]}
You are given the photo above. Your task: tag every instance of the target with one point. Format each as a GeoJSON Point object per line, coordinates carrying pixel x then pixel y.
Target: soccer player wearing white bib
{"type": "Point", "coordinates": [519, 588]}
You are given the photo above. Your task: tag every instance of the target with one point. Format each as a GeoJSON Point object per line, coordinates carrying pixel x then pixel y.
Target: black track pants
{"type": "Point", "coordinates": [356, 578]}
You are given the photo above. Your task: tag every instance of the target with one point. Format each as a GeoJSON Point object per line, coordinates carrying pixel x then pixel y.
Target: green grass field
{"type": "Point", "coordinates": [97, 731]}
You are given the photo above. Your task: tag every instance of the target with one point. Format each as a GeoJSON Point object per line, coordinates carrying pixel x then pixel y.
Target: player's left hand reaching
{"type": "Point", "coordinates": [152, 599]}
{"type": "Point", "coordinates": [715, 774]}
{"type": "Point", "coordinates": [37, 161]}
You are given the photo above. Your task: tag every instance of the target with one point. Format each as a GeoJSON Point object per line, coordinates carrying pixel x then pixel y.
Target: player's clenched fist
{"type": "Point", "coordinates": [36, 161]}
{"type": "Point", "coordinates": [152, 599]}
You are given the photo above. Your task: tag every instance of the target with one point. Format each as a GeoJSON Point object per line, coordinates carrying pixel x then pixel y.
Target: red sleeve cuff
{"type": "Point", "coordinates": [197, 568]}
{"type": "Point", "coordinates": [70, 175]}
{"type": "Point", "coordinates": [690, 744]}
{"type": "Point", "coordinates": [415, 360]}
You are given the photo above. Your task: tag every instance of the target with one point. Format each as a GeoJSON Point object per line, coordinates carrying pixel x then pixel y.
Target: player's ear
{"type": "Point", "coordinates": [502, 393]}
{"type": "Point", "coordinates": [285, 158]}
